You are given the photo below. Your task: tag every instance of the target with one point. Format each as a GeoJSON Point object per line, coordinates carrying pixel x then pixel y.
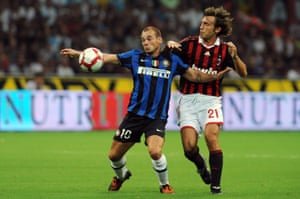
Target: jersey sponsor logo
{"type": "Point", "coordinates": [205, 70]}
{"type": "Point", "coordinates": [154, 72]}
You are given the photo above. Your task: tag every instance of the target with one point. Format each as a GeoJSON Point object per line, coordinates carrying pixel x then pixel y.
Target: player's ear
{"type": "Point", "coordinates": [160, 39]}
{"type": "Point", "coordinates": [218, 30]}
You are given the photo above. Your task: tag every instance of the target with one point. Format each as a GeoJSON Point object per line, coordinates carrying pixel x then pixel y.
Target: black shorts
{"type": "Point", "coordinates": [133, 126]}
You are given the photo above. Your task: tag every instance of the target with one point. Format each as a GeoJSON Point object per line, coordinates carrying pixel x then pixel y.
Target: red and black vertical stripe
{"type": "Point", "coordinates": [203, 58]}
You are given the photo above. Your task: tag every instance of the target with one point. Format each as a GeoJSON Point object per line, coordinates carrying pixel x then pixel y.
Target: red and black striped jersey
{"type": "Point", "coordinates": [208, 59]}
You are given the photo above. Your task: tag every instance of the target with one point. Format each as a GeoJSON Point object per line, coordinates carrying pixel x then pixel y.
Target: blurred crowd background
{"type": "Point", "coordinates": [32, 32]}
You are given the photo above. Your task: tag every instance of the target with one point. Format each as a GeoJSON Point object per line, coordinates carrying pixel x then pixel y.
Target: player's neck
{"type": "Point", "coordinates": [210, 42]}
{"type": "Point", "coordinates": [155, 53]}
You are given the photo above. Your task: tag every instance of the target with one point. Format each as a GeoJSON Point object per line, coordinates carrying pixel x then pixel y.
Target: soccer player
{"type": "Point", "coordinates": [152, 73]}
{"type": "Point", "coordinates": [200, 106]}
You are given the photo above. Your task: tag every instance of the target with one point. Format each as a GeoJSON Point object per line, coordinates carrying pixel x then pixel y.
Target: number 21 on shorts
{"type": "Point", "coordinates": [213, 113]}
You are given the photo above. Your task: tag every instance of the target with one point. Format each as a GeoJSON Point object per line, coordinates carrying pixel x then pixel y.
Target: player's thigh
{"type": "Point", "coordinates": [213, 113]}
{"type": "Point", "coordinates": [212, 132]}
{"type": "Point", "coordinates": [188, 112]}
{"type": "Point", "coordinates": [213, 122]}
{"type": "Point", "coordinates": [189, 138]}
{"type": "Point", "coordinates": [118, 149]}
{"type": "Point", "coordinates": [130, 129]}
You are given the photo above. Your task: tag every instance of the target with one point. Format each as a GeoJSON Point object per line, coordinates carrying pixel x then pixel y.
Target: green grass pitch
{"type": "Point", "coordinates": [74, 165]}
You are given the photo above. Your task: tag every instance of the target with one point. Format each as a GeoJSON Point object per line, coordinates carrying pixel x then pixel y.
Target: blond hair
{"type": "Point", "coordinates": [156, 30]}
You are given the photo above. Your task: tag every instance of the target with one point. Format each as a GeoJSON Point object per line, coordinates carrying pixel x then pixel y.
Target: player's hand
{"type": "Point", "coordinates": [70, 52]}
{"type": "Point", "coordinates": [232, 49]}
{"type": "Point", "coordinates": [222, 73]}
{"type": "Point", "coordinates": [174, 44]}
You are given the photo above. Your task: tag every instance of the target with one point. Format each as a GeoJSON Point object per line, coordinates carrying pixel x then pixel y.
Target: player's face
{"type": "Point", "coordinates": [208, 31]}
{"type": "Point", "coordinates": [151, 42]}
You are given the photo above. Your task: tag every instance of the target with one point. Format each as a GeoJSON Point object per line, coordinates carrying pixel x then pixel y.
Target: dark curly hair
{"type": "Point", "coordinates": [223, 19]}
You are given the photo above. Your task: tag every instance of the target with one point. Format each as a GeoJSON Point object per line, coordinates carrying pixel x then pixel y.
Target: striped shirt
{"type": "Point", "coordinates": [208, 59]}
{"type": "Point", "coordinates": [152, 80]}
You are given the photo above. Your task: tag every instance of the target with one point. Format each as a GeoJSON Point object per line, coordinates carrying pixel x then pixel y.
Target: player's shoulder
{"type": "Point", "coordinates": [130, 53]}
{"type": "Point", "coordinates": [190, 38]}
{"type": "Point", "coordinates": [223, 43]}
{"type": "Point", "coordinates": [170, 57]}
{"type": "Point", "coordinates": [134, 51]}
{"type": "Point", "coordinates": [137, 51]}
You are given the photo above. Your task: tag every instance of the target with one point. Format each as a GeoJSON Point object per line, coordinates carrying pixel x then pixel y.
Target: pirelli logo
{"type": "Point", "coordinates": [154, 72]}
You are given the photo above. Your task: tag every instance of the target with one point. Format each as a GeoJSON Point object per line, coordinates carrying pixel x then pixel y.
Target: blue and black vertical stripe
{"type": "Point", "coordinates": [151, 94]}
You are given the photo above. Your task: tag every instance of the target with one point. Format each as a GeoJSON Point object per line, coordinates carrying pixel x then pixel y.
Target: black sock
{"type": "Point", "coordinates": [216, 165]}
{"type": "Point", "coordinates": [196, 158]}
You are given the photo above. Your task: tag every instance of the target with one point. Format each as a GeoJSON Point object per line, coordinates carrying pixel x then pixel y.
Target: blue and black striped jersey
{"type": "Point", "coordinates": [152, 80]}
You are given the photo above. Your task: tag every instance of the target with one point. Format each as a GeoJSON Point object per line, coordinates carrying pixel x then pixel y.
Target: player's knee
{"type": "Point", "coordinates": [191, 154]}
{"type": "Point", "coordinates": [211, 137]}
{"type": "Point", "coordinates": [155, 154]}
{"type": "Point", "coordinates": [113, 156]}
{"type": "Point", "coordinates": [212, 142]}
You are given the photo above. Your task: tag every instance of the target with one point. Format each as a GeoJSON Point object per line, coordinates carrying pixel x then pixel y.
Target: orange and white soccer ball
{"type": "Point", "coordinates": [91, 59]}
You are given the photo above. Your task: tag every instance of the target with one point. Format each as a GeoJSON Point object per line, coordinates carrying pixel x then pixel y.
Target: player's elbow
{"type": "Point", "coordinates": [244, 74]}
{"type": "Point", "coordinates": [243, 71]}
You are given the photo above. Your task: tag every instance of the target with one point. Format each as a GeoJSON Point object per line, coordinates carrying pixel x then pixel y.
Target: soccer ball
{"type": "Point", "coordinates": [91, 59]}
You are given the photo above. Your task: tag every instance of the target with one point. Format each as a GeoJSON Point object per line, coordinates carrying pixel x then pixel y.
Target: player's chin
{"type": "Point", "coordinates": [148, 50]}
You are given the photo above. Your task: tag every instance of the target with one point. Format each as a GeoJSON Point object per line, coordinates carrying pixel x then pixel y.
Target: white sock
{"type": "Point", "coordinates": [119, 167]}
{"type": "Point", "coordinates": [161, 169]}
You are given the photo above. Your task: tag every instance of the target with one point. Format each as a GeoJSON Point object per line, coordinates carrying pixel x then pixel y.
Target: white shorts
{"type": "Point", "coordinates": [198, 110]}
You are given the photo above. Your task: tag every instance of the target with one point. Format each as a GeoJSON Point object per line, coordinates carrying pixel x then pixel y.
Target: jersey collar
{"type": "Point", "coordinates": [217, 42]}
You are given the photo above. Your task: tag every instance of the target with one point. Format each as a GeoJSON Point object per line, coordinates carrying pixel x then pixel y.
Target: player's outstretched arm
{"type": "Point", "coordinates": [107, 58]}
{"type": "Point", "coordinates": [194, 75]}
{"type": "Point", "coordinates": [70, 52]}
{"type": "Point", "coordinates": [110, 58]}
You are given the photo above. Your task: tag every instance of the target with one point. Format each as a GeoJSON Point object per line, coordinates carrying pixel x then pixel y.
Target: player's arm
{"type": "Point", "coordinates": [70, 52]}
{"type": "Point", "coordinates": [108, 58]}
{"type": "Point", "coordinates": [240, 66]}
{"type": "Point", "coordinates": [201, 77]}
